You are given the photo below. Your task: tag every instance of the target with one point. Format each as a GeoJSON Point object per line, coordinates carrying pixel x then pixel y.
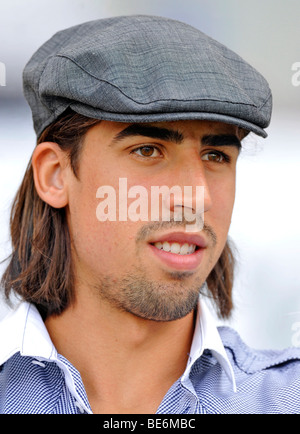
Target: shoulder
{"type": "Point", "coordinates": [29, 386]}
{"type": "Point", "coordinates": [250, 360]}
{"type": "Point", "coordinates": [267, 381]}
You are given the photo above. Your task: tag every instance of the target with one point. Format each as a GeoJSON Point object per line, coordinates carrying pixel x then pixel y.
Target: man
{"type": "Point", "coordinates": [111, 319]}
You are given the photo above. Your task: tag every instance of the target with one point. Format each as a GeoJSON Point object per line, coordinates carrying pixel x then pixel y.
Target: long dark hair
{"type": "Point", "coordinates": [40, 266]}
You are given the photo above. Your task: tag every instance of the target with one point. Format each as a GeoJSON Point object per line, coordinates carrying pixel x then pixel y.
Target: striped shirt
{"type": "Point", "coordinates": [222, 375]}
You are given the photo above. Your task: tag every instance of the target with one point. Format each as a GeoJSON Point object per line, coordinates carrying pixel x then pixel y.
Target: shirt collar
{"type": "Point", "coordinates": [207, 337]}
{"type": "Point", "coordinates": [24, 331]}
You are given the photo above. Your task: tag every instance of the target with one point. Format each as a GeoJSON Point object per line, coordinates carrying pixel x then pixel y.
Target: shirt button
{"type": "Point", "coordinates": [79, 406]}
{"type": "Point", "coordinates": [37, 362]}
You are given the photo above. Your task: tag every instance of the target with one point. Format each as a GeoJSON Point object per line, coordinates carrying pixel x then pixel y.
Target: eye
{"type": "Point", "coordinates": [147, 151]}
{"type": "Point", "coordinates": [216, 157]}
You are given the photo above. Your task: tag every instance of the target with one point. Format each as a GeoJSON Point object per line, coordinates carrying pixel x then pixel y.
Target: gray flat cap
{"type": "Point", "coordinates": [144, 69]}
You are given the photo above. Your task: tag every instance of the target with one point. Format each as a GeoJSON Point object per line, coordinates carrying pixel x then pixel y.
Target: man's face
{"type": "Point", "coordinates": [127, 263]}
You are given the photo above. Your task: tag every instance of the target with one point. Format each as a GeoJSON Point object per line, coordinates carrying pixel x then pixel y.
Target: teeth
{"type": "Point", "coordinates": [175, 248]}
{"type": "Point", "coordinates": [185, 249]}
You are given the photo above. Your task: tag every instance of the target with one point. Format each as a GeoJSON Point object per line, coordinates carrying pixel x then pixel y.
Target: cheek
{"type": "Point", "coordinates": [99, 246]}
{"type": "Point", "coordinates": [222, 195]}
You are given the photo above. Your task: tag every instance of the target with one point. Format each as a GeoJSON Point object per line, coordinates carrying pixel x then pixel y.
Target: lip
{"type": "Point", "coordinates": [175, 261]}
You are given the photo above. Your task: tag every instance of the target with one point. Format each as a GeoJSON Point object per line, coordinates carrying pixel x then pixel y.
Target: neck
{"type": "Point", "coordinates": [127, 363]}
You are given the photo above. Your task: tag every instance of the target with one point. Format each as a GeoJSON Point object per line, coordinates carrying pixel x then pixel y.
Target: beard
{"type": "Point", "coordinates": [151, 300]}
{"type": "Point", "coordinates": [169, 299]}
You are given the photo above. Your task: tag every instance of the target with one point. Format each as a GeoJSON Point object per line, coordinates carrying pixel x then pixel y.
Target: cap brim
{"type": "Point", "coordinates": [166, 117]}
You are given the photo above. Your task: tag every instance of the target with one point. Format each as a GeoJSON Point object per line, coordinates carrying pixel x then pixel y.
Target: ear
{"type": "Point", "coordinates": [50, 171]}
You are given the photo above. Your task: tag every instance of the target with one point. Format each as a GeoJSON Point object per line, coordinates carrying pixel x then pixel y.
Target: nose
{"type": "Point", "coordinates": [192, 197]}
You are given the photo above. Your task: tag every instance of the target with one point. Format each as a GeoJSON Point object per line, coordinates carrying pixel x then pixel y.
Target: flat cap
{"type": "Point", "coordinates": [144, 69]}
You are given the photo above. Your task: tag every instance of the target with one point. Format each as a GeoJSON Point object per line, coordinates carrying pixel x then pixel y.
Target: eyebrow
{"type": "Point", "coordinates": [221, 140]}
{"type": "Point", "coordinates": [150, 131]}
{"type": "Point", "coordinates": [174, 136]}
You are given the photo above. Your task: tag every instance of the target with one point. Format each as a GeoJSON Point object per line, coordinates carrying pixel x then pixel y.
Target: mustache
{"type": "Point", "coordinates": [146, 231]}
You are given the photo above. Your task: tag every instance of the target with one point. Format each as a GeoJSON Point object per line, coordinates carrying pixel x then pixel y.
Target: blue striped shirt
{"type": "Point", "coordinates": [222, 376]}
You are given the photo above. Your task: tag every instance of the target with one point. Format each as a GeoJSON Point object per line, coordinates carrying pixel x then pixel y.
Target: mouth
{"type": "Point", "coordinates": [179, 250]}
{"type": "Point", "coordinates": [176, 248]}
